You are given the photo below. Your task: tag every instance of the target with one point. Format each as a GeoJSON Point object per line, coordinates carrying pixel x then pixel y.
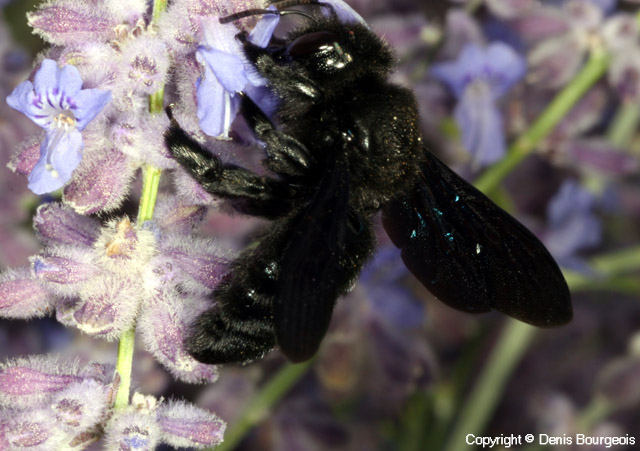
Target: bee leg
{"type": "Point", "coordinates": [218, 337]}
{"type": "Point", "coordinates": [249, 193]}
{"type": "Point", "coordinates": [285, 154]}
{"type": "Point", "coordinates": [240, 326]}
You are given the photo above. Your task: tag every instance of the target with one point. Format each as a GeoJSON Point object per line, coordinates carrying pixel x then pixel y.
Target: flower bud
{"type": "Point", "coordinates": [56, 223]}
{"type": "Point", "coordinates": [184, 425]}
{"type": "Point", "coordinates": [67, 22]}
{"type": "Point", "coordinates": [100, 184]}
{"type": "Point", "coordinates": [163, 327]}
{"type": "Point", "coordinates": [23, 296]}
{"type": "Point", "coordinates": [64, 268]}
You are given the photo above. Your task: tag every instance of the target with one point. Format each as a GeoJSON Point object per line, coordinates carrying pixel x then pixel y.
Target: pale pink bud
{"type": "Point", "coordinates": [163, 326]}
{"type": "Point", "coordinates": [65, 22]}
{"type": "Point", "coordinates": [23, 296]}
{"type": "Point", "coordinates": [185, 425]}
{"type": "Point", "coordinates": [26, 381]}
{"type": "Point", "coordinates": [106, 309]}
{"type": "Point", "coordinates": [64, 268]}
{"type": "Point", "coordinates": [100, 184]}
{"type": "Point", "coordinates": [56, 223]}
{"type": "Point", "coordinates": [173, 214]}
{"type": "Point", "coordinates": [27, 155]}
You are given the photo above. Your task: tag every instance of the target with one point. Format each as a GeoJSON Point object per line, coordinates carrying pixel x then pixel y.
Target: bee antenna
{"type": "Point", "coordinates": [281, 4]}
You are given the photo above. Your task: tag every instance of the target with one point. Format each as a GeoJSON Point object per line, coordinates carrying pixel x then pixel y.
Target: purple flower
{"type": "Point", "coordinates": [226, 72]}
{"type": "Point", "coordinates": [105, 280]}
{"type": "Point", "coordinates": [51, 403]}
{"type": "Point", "coordinates": [185, 425]}
{"type": "Point", "coordinates": [573, 226]}
{"type": "Point", "coordinates": [48, 403]}
{"type": "Point", "coordinates": [148, 422]}
{"type": "Point", "coordinates": [478, 78]}
{"type": "Point", "coordinates": [56, 102]}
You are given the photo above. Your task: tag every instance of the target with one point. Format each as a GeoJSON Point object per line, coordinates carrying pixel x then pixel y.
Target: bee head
{"type": "Point", "coordinates": [332, 52]}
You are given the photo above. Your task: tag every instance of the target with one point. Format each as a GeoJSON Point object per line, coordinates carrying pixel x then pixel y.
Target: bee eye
{"type": "Point", "coordinates": [312, 43]}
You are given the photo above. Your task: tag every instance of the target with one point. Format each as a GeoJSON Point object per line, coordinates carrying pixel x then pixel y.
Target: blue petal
{"type": "Point", "coordinates": [581, 231]}
{"type": "Point", "coordinates": [21, 98]}
{"type": "Point", "coordinates": [68, 154]}
{"type": "Point", "coordinates": [213, 106]}
{"type": "Point", "coordinates": [505, 67]}
{"type": "Point", "coordinates": [50, 77]}
{"type": "Point", "coordinates": [70, 81]}
{"type": "Point", "coordinates": [89, 102]}
{"type": "Point", "coordinates": [457, 74]}
{"type": "Point", "coordinates": [220, 36]}
{"type": "Point", "coordinates": [64, 152]}
{"type": "Point", "coordinates": [498, 64]}
{"type": "Point", "coordinates": [264, 98]}
{"type": "Point", "coordinates": [263, 31]}
{"type": "Point", "coordinates": [480, 122]}
{"type": "Point", "coordinates": [229, 69]}
{"type": "Point", "coordinates": [345, 13]}
{"type": "Point", "coordinates": [569, 201]}
{"type": "Point", "coordinates": [46, 79]}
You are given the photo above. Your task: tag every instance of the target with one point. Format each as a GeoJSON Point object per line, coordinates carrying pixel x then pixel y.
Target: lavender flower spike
{"type": "Point", "coordinates": [56, 102]}
{"type": "Point", "coordinates": [478, 78]}
{"type": "Point", "coordinates": [226, 72]}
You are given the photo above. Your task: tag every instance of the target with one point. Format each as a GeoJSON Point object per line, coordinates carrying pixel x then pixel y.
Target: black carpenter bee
{"type": "Point", "coordinates": [347, 146]}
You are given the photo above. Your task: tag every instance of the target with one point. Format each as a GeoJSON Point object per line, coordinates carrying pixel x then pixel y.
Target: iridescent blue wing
{"type": "Point", "coordinates": [312, 274]}
{"type": "Point", "coordinates": [473, 255]}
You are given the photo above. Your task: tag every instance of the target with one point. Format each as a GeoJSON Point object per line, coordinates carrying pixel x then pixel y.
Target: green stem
{"type": "Point", "coordinates": [617, 263]}
{"type": "Point", "coordinates": [124, 366]}
{"type": "Point", "coordinates": [126, 345]}
{"type": "Point", "coordinates": [483, 399]}
{"type": "Point", "coordinates": [624, 125]}
{"type": "Point", "coordinates": [611, 273]}
{"type": "Point", "coordinates": [597, 410]}
{"type": "Point", "coordinates": [159, 7]}
{"type": "Point", "coordinates": [259, 406]}
{"type": "Point", "coordinates": [592, 71]}
{"type": "Point", "coordinates": [151, 181]}
{"type": "Point", "coordinates": [149, 193]}
{"type": "Point", "coordinates": [156, 101]}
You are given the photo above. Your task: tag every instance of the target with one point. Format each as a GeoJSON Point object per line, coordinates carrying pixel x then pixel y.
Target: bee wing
{"type": "Point", "coordinates": [473, 255]}
{"type": "Point", "coordinates": [312, 276]}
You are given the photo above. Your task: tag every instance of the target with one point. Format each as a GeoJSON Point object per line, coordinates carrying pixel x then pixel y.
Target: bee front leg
{"type": "Point", "coordinates": [285, 154]}
{"type": "Point", "coordinates": [249, 193]}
